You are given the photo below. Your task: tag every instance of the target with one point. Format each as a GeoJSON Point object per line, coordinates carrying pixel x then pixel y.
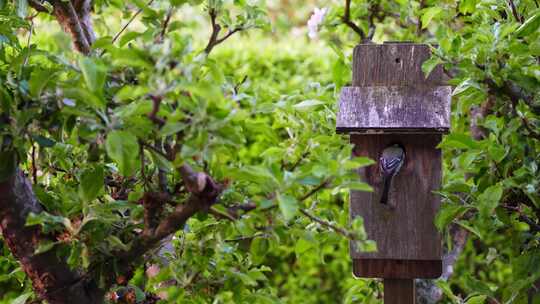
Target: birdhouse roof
{"type": "Point", "coordinates": [394, 109]}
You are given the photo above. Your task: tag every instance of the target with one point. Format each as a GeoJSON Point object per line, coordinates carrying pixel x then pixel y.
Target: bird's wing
{"type": "Point", "coordinates": [391, 164]}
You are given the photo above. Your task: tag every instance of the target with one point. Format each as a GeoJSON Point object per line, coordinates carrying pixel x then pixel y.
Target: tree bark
{"type": "Point", "coordinates": [74, 16]}
{"type": "Point", "coordinates": [51, 277]}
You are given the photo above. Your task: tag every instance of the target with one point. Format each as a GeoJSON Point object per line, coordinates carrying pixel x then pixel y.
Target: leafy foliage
{"type": "Point", "coordinates": [169, 84]}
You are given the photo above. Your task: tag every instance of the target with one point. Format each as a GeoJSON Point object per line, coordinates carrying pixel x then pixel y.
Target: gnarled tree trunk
{"type": "Point", "coordinates": [51, 277]}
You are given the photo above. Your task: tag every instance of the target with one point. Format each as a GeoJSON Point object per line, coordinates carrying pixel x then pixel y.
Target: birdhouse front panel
{"type": "Point", "coordinates": [403, 227]}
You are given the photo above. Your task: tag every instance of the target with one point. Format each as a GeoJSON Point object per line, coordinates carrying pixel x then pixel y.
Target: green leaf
{"type": "Point", "coordinates": [123, 148]}
{"type": "Point", "coordinates": [489, 199]}
{"type": "Point", "coordinates": [477, 286]}
{"type": "Point", "coordinates": [247, 280]}
{"type": "Point", "coordinates": [445, 287]}
{"type": "Point", "coordinates": [44, 246]}
{"type": "Point", "coordinates": [115, 242]}
{"type": "Point", "coordinates": [44, 141]}
{"type": "Point", "coordinates": [359, 186]}
{"type": "Point", "coordinates": [429, 65]}
{"type": "Point", "coordinates": [161, 162]}
{"type": "Point", "coordinates": [470, 228]}
{"type": "Point", "coordinates": [467, 6]}
{"type": "Point", "coordinates": [84, 96]}
{"type": "Point", "coordinates": [38, 81]}
{"type": "Point", "coordinates": [288, 206]}
{"type": "Point", "coordinates": [127, 37]}
{"type": "Point", "coordinates": [496, 152]}
{"type": "Point", "coordinates": [259, 248]}
{"type": "Point", "coordinates": [476, 300]}
{"type": "Point", "coordinates": [307, 104]}
{"type": "Point", "coordinates": [91, 184]}
{"type": "Point", "coordinates": [459, 141]}
{"type": "Point", "coordinates": [48, 221]}
{"type": "Point", "coordinates": [94, 74]}
{"type": "Point", "coordinates": [358, 162]}
{"type": "Point", "coordinates": [22, 298]}
{"type": "Point", "coordinates": [530, 25]}
{"type": "Point", "coordinates": [428, 14]}
{"type": "Point", "coordinates": [303, 245]}
{"type": "Point", "coordinates": [139, 294]}
{"type": "Point", "coordinates": [467, 87]}
{"type": "Point", "coordinates": [448, 213]}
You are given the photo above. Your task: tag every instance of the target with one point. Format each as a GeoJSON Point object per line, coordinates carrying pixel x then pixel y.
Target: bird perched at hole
{"type": "Point", "coordinates": [390, 161]}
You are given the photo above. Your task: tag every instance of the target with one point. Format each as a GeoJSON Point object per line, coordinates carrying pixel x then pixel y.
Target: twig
{"type": "Point", "coordinates": [34, 167]}
{"type": "Point", "coordinates": [162, 175]}
{"type": "Point", "coordinates": [156, 102]}
{"type": "Point", "coordinates": [164, 25]}
{"type": "Point", "coordinates": [38, 6]}
{"type": "Point", "coordinates": [347, 20]}
{"type": "Point", "coordinates": [419, 23]}
{"type": "Point", "coordinates": [514, 11]}
{"type": "Point", "coordinates": [237, 86]}
{"type": "Point", "coordinates": [249, 237]}
{"type": "Point", "coordinates": [156, 150]}
{"type": "Point", "coordinates": [218, 214]}
{"type": "Point", "coordinates": [373, 12]}
{"type": "Point", "coordinates": [299, 160]}
{"type": "Point", "coordinates": [232, 212]}
{"type": "Point", "coordinates": [143, 174]}
{"type": "Point", "coordinates": [229, 34]}
{"type": "Point", "coordinates": [130, 21]}
{"type": "Point", "coordinates": [216, 29]}
{"type": "Point", "coordinates": [27, 56]}
{"type": "Point", "coordinates": [327, 224]}
{"type": "Point", "coordinates": [315, 190]}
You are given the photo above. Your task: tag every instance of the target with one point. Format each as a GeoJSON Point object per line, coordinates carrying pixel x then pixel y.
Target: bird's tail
{"type": "Point", "coordinates": [386, 188]}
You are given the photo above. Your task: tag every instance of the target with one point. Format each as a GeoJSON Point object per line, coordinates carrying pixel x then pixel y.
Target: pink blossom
{"type": "Point", "coordinates": [152, 270]}
{"type": "Point", "coordinates": [315, 20]}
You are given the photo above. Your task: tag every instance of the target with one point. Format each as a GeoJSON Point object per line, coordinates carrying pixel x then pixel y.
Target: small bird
{"type": "Point", "coordinates": [390, 161]}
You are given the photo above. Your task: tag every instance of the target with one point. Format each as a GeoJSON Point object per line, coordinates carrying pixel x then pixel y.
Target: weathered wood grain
{"type": "Point", "coordinates": [393, 64]}
{"type": "Point", "coordinates": [398, 291]}
{"type": "Point", "coordinates": [397, 269]}
{"type": "Point", "coordinates": [403, 229]}
{"type": "Point", "coordinates": [394, 109]}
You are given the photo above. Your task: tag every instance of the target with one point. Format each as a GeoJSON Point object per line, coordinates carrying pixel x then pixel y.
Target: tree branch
{"type": "Point", "coordinates": [156, 102]}
{"type": "Point", "coordinates": [204, 193]}
{"type": "Point", "coordinates": [216, 29]}
{"type": "Point", "coordinates": [514, 11]}
{"type": "Point", "coordinates": [322, 185]}
{"type": "Point", "coordinates": [327, 224]}
{"type": "Point", "coordinates": [68, 18]}
{"type": "Point", "coordinates": [347, 20]}
{"type": "Point", "coordinates": [164, 26]}
{"type": "Point", "coordinates": [38, 6]}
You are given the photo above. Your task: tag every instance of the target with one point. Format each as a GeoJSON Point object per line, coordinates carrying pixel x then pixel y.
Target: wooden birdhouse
{"type": "Point", "coordinates": [391, 102]}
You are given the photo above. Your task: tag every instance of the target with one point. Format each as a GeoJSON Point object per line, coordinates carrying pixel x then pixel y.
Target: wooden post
{"type": "Point", "coordinates": [399, 291]}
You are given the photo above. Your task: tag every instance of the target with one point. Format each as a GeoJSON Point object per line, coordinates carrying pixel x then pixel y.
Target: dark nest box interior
{"type": "Point", "coordinates": [391, 101]}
